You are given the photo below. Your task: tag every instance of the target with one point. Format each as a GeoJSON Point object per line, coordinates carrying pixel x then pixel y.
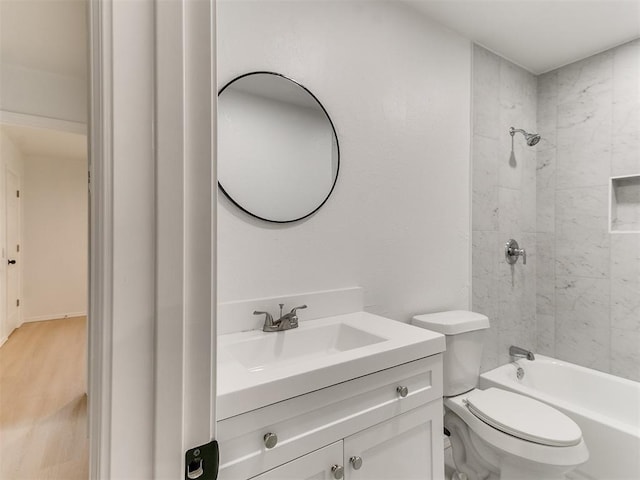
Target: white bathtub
{"type": "Point", "coordinates": [606, 407]}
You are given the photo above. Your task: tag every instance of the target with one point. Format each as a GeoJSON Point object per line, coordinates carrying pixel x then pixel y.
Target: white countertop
{"type": "Point", "coordinates": [244, 384]}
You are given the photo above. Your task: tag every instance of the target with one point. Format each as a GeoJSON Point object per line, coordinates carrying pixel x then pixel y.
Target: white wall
{"type": "Point", "coordinates": [397, 88]}
{"type": "Point", "coordinates": [54, 204]}
{"type": "Point", "coordinates": [43, 94]}
{"type": "Point", "coordinates": [11, 158]}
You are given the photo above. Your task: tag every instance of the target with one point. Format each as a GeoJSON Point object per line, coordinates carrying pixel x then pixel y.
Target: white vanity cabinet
{"type": "Point", "coordinates": [385, 425]}
{"type": "Point", "coordinates": [400, 448]}
{"type": "Point", "coordinates": [323, 464]}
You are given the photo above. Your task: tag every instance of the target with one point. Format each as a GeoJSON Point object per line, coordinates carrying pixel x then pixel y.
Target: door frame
{"type": "Point", "coordinates": [8, 171]}
{"type": "Point", "coordinates": [152, 238]}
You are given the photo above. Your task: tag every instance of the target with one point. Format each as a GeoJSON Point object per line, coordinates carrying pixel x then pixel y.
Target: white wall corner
{"type": "Point", "coordinates": [38, 121]}
{"type": "Point", "coordinates": [43, 94]}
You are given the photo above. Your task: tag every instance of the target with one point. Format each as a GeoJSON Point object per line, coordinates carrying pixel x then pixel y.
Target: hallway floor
{"type": "Point", "coordinates": [43, 404]}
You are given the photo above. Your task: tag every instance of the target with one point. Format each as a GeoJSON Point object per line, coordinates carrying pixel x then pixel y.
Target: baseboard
{"type": "Point", "coordinates": [57, 316]}
{"type": "Point", "coordinates": [3, 340]}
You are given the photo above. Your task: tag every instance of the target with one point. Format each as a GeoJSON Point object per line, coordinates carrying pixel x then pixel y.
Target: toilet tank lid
{"type": "Point", "coordinates": [452, 322]}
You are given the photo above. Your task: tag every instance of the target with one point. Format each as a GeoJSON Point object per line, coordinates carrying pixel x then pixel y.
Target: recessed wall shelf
{"type": "Point", "coordinates": [624, 211]}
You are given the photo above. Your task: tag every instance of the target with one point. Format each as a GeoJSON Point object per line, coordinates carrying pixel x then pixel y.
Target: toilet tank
{"type": "Point", "coordinates": [464, 334]}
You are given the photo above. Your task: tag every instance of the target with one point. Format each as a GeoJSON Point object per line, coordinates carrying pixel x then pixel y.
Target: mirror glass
{"type": "Point", "coordinates": [278, 154]}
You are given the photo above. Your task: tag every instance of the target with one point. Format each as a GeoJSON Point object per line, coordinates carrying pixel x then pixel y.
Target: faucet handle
{"type": "Point", "coordinates": [268, 319]}
{"type": "Point", "coordinates": [293, 316]}
{"type": "Point", "coordinates": [293, 310]}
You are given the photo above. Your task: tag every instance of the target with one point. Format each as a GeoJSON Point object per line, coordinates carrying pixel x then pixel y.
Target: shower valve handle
{"type": "Point", "coordinates": [512, 251]}
{"type": "Point", "coordinates": [523, 253]}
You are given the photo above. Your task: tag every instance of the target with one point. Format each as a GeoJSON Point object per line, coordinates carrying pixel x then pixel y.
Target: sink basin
{"type": "Point", "coordinates": [275, 349]}
{"type": "Point", "coordinates": [256, 368]}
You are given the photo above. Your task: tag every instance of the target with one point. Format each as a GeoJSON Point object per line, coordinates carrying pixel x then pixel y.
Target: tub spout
{"type": "Point", "coordinates": [518, 352]}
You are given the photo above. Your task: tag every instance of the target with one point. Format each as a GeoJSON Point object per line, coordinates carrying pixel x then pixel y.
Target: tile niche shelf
{"type": "Point", "coordinates": [624, 211]}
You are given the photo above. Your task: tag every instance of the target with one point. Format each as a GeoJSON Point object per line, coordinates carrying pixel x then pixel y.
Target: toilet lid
{"type": "Point", "coordinates": [524, 417]}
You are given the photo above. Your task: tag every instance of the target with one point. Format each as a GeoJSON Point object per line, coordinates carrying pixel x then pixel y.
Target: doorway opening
{"type": "Point", "coordinates": [43, 357]}
{"type": "Point", "coordinates": [43, 239]}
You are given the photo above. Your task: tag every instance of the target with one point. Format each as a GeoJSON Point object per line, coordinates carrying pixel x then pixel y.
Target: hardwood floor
{"type": "Point", "coordinates": [43, 405]}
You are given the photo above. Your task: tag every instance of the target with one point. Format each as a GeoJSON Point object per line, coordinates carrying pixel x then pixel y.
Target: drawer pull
{"type": "Point", "coordinates": [270, 440]}
{"type": "Point", "coordinates": [338, 471]}
{"type": "Point", "coordinates": [402, 391]}
{"type": "Point", "coordinates": [356, 462]}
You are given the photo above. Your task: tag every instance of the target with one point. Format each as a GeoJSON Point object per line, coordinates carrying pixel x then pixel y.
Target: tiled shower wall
{"type": "Point", "coordinates": [588, 280]}
{"type": "Point", "coordinates": [504, 204]}
{"type": "Point", "coordinates": [578, 297]}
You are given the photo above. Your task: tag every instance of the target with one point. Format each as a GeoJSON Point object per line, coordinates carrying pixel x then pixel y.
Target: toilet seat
{"type": "Point", "coordinates": [532, 451]}
{"type": "Point", "coordinates": [523, 417]}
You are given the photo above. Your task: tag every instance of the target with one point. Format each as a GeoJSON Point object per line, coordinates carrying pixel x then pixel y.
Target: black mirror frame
{"type": "Point", "coordinates": [335, 135]}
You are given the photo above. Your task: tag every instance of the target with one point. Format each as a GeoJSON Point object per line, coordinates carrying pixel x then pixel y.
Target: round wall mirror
{"type": "Point", "coordinates": [278, 154]}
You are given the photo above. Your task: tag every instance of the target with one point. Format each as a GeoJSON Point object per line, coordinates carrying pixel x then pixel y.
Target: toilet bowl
{"type": "Point", "coordinates": [505, 435]}
{"type": "Point", "coordinates": [496, 434]}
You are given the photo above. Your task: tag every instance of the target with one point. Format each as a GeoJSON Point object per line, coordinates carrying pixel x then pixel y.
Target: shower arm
{"type": "Point", "coordinates": [531, 138]}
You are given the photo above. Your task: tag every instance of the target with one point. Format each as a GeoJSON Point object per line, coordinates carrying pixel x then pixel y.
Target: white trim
{"type": "Point", "coordinates": [56, 316]}
{"type": "Point", "coordinates": [170, 254]}
{"type": "Point", "coordinates": [8, 170]}
{"type": "Point", "coordinates": [99, 328]}
{"type": "Point", "coordinates": [152, 243]}
{"type": "Point", "coordinates": [186, 221]}
{"type": "Point", "coordinates": [631, 175]}
{"type": "Point", "coordinates": [131, 236]}
{"type": "Point", "coordinates": [35, 121]}
{"type": "Point", "coordinates": [610, 207]}
{"type": "Point", "coordinates": [470, 184]}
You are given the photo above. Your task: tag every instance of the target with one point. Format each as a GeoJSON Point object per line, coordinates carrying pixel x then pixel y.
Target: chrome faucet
{"type": "Point", "coordinates": [518, 352]}
{"type": "Point", "coordinates": [285, 322]}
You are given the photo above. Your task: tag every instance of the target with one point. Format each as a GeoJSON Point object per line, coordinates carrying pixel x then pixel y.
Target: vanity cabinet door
{"type": "Point", "coordinates": [323, 464]}
{"type": "Point", "coordinates": [406, 447]}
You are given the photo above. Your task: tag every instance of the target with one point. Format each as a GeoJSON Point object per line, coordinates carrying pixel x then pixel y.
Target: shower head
{"type": "Point", "coordinates": [530, 138]}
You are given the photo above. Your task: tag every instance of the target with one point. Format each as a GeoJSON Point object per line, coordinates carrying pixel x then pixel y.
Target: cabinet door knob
{"type": "Point", "coordinates": [338, 471]}
{"type": "Point", "coordinates": [356, 462]}
{"type": "Point", "coordinates": [402, 391]}
{"type": "Point", "coordinates": [270, 440]}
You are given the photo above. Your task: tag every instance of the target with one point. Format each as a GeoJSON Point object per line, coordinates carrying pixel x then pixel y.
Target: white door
{"type": "Point", "coordinates": [406, 447]}
{"type": "Point", "coordinates": [13, 251]}
{"type": "Point", "coordinates": [323, 464]}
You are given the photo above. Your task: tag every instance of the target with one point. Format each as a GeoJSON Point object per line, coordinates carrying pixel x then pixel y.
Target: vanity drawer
{"type": "Point", "coordinates": [311, 421]}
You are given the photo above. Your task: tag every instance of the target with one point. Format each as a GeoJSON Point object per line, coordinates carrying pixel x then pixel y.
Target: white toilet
{"type": "Point", "coordinates": [496, 434]}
